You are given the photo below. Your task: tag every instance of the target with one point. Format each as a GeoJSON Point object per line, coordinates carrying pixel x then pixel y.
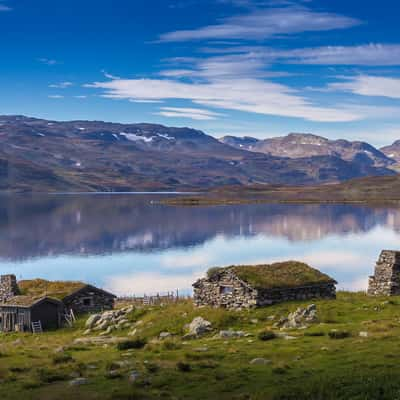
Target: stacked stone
{"type": "Point", "coordinates": [386, 279]}
{"type": "Point", "coordinates": [8, 287]}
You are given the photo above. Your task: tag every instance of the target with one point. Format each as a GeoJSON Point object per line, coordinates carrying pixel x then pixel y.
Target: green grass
{"type": "Point", "coordinates": [312, 366]}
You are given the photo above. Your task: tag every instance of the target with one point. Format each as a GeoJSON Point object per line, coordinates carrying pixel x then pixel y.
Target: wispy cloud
{"type": "Point", "coordinates": [366, 85]}
{"type": "Point", "coordinates": [191, 113]}
{"type": "Point", "coordinates": [48, 61]}
{"type": "Point", "coordinates": [61, 85]}
{"type": "Point", "coordinates": [55, 96]}
{"type": "Point", "coordinates": [4, 7]}
{"type": "Point", "coordinates": [265, 23]}
{"type": "Point", "coordinates": [251, 95]}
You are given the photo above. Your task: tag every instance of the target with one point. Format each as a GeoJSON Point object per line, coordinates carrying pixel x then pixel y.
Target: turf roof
{"type": "Point", "coordinates": [57, 289]}
{"type": "Point", "coordinates": [287, 274]}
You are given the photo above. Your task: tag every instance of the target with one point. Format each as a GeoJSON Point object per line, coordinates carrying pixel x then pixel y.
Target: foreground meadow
{"type": "Point", "coordinates": [350, 352]}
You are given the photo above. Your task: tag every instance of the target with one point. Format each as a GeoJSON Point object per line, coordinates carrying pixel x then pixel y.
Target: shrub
{"type": "Point", "coordinates": [62, 358]}
{"type": "Point", "coordinates": [266, 335]}
{"type": "Point", "coordinates": [315, 333]}
{"type": "Point", "coordinates": [138, 343]}
{"type": "Point", "coordinates": [183, 367]}
{"type": "Point", "coordinates": [339, 334]}
{"type": "Point", "coordinates": [49, 376]}
{"type": "Point", "coordinates": [151, 367]}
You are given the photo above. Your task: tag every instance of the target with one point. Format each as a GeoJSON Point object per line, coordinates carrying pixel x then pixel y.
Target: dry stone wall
{"type": "Point", "coordinates": [8, 287]}
{"type": "Point", "coordinates": [386, 279]}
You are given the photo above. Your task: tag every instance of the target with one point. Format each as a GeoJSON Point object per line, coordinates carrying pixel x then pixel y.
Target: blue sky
{"type": "Point", "coordinates": [241, 67]}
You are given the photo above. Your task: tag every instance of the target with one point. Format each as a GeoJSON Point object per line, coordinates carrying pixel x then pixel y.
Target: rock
{"type": "Point", "coordinates": [60, 349]}
{"type": "Point", "coordinates": [201, 349]}
{"type": "Point", "coordinates": [199, 326]}
{"type": "Point", "coordinates": [78, 382]}
{"type": "Point", "coordinates": [189, 336]}
{"type": "Point", "coordinates": [231, 334]}
{"type": "Point", "coordinates": [254, 321]}
{"type": "Point", "coordinates": [91, 321]}
{"type": "Point", "coordinates": [87, 332]}
{"type": "Point", "coordinates": [102, 326]}
{"type": "Point", "coordinates": [132, 333]}
{"type": "Point", "coordinates": [363, 334]}
{"type": "Point", "coordinates": [133, 376]}
{"type": "Point", "coordinates": [298, 318]}
{"type": "Point", "coordinates": [260, 361]}
{"type": "Point", "coordinates": [164, 335]}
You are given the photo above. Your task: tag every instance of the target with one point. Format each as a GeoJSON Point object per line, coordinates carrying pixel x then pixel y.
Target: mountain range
{"type": "Point", "coordinates": [42, 155]}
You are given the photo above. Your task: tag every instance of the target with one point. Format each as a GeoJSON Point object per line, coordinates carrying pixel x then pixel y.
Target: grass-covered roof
{"type": "Point", "coordinates": [37, 288]}
{"type": "Point", "coordinates": [278, 275]}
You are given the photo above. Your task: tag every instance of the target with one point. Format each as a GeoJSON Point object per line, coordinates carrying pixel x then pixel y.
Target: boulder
{"type": "Point", "coordinates": [199, 326]}
{"type": "Point", "coordinates": [78, 382]}
{"type": "Point", "coordinates": [259, 361]}
{"type": "Point", "coordinates": [298, 318]}
{"type": "Point", "coordinates": [91, 321]}
{"type": "Point", "coordinates": [231, 334]}
{"type": "Point", "coordinates": [164, 335]}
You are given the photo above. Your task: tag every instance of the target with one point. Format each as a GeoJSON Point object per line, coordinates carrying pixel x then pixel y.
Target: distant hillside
{"type": "Point", "coordinates": [299, 145]}
{"type": "Point", "coordinates": [392, 151]}
{"type": "Point", "coordinates": [243, 143]}
{"type": "Point", "coordinates": [41, 155]}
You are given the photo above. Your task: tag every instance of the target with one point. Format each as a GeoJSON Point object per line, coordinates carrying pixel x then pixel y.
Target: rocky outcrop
{"type": "Point", "coordinates": [109, 321]}
{"type": "Point", "coordinates": [299, 318]}
{"type": "Point", "coordinates": [386, 279]}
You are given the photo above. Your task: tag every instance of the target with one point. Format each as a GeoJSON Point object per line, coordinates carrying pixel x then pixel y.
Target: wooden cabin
{"type": "Point", "coordinates": [20, 312]}
{"type": "Point", "coordinates": [79, 297]}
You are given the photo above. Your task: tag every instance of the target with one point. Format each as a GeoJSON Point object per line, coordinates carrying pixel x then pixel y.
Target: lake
{"type": "Point", "coordinates": [131, 244]}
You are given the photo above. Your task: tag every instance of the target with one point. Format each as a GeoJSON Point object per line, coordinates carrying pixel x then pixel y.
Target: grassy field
{"type": "Point", "coordinates": [312, 363]}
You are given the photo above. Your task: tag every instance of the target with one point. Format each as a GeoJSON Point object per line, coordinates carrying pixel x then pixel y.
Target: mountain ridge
{"type": "Point", "coordinates": [43, 155]}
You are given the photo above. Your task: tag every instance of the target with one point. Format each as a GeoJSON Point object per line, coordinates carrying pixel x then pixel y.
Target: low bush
{"type": "Point", "coordinates": [183, 367]}
{"type": "Point", "coordinates": [266, 335]}
{"type": "Point", "coordinates": [339, 334]}
{"type": "Point", "coordinates": [315, 333]}
{"type": "Point", "coordinates": [138, 343]}
{"type": "Point", "coordinates": [62, 358]}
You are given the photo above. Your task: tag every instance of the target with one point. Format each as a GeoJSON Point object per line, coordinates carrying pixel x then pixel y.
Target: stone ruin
{"type": "Point", "coordinates": [8, 287]}
{"type": "Point", "coordinates": [386, 279]}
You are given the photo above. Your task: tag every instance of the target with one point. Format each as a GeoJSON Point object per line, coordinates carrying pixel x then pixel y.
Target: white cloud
{"type": "Point", "coordinates": [61, 85]}
{"type": "Point", "coordinates": [265, 23]}
{"type": "Point", "coordinates": [149, 283]}
{"type": "Point", "coordinates": [48, 61]}
{"type": "Point", "coordinates": [366, 85]}
{"type": "Point", "coordinates": [55, 96]}
{"type": "Point", "coordinates": [191, 113]}
{"type": "Point", "coordinates": [250, 95]}
{"type": "Point", "coordinates": [368, 55]}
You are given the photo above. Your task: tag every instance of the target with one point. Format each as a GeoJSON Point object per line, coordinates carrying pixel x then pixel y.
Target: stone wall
{"type": "Point", "coordinates": [386, 279]}
{"type": "Point", "coordinates": [8, 287]}
{"type": "Point", "coordinates": [318, 291]}
{"type": "Point", "coordinates": [89, 300]}
{"type": "Point", "coordinates": [224, 290]}
{"type": "Point", "coordinates": [213, 292]}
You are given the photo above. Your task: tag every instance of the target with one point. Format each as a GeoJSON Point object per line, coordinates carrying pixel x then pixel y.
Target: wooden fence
{"type": "Point", "coordinates": [157, 299]}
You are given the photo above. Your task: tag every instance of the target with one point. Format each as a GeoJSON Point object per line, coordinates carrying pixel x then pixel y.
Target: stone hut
{"type": "Point", "coordinates": [247, 286]}
{"type": "Point", "coordinates": [386, 279]}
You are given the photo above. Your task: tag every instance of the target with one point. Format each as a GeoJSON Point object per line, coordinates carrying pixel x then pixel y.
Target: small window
{"type": "Point", "coordinates": [87, 301]}
{"type": "Point", "coordinates": [226, 289]}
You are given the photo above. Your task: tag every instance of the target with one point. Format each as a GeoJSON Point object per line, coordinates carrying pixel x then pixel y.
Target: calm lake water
{"type": "Point", "coordinates": [129, 244]}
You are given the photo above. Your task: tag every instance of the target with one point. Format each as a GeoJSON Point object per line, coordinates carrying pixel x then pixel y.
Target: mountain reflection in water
{"type": "Point", "coordinates": [132, 244]}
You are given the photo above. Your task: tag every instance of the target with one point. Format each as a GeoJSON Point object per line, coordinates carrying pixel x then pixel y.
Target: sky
{"type": "Point", "coordinates": [228, 67]}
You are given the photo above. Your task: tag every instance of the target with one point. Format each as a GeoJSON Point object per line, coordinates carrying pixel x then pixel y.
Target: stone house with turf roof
{"type": "Point", "coordinates": [246, 286]}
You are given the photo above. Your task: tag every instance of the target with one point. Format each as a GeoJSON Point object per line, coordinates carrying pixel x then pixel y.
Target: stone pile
{"type": "Point", "coordinates": [299, 318]}
{"type": "Point", "coordinates": [109, 321]}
